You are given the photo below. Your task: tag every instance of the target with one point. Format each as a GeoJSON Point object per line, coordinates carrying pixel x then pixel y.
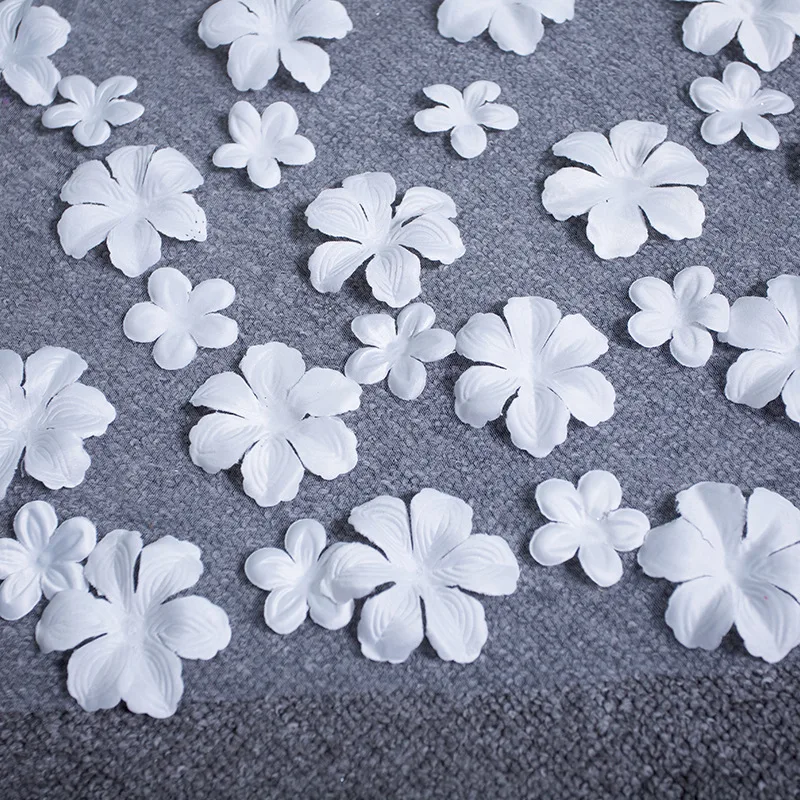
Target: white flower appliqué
{"type": "Point", "coordinates": [399, 351]}
{"type": "Point", "coordinates": [44, 559]}
{"type": "Point", "coordinates": [180, 319]}
{"type": "Point", "coordinates": [631, 177]}
{"type": "Point", "coordinates": [515, 25]}
{"type": "Point", "coordinates": [293, 579]}
{"type": "Point", "coordinates": [464, 114]}
{"type": "Point", "coordinates": [138, 635]}
{"type": "Point", "coordinates": [362, 212]}
{"type": "Point", "coordinates": [280, 422]}
{"type": "Point", "coordinates": [48, 417]}
{"type": "Point", "coordinates": [725, 578]}
{"type": "Point", "coordinates": [541, 358]}
{"type": "Point", "coordinates": [92, 110]}
{"type": "Point", "coordinates": [28, 36]}
{"type": "Point", "coordinates": [426, 560]}
{"type": "Point", "coordinates": [261, 32]}
{"type": "Point", "coordinates": [681, 314]}
{"type": "Point", "coordinates": [144, 196]}
{"type": "Point", "coordinates": [738, 102]}
{"type": "Point", "coordinates": [587, 520]}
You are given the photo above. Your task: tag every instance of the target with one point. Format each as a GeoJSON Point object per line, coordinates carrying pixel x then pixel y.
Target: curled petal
{"type": "Point", "coordinates": [439, 522]}
{"type": "Point", "coordinates": [394, 275]}
{"type": "Point", "coordinates": [308, 63]}
{"type": "Point", "coordinates": [390, 628]}
{"type": "Point", "coordinates": [700, 613]}
{"type": "Point", "coordinates": [482, 392]}
{"type": "Point", "coordinates": [757, 377]}
{"type": "Point", "coordinates": [166, 567]}
{"type": "Point", "coordinates": [616, 228]}
{"type": "Point", "coordinates": [537, 421]}
{"type": "Point", "coordinates": [226, 21]}
{"type": "Point", "coordinates": [517, 28]}
{"type": "Point", "coordinates": [455, 625]}
{"type": "Point", "coordinates": [709, 27]}
{"type": "Point", "coordinates": [434, 236]}
{"type": "Point", "coordinates": [384, 521]}
{"type": "Point", "coordinates": [272, 472]}
{"type": "Point", "coordinates": [497, 116]}
{"type": "Point", "coordinates": [332, 263]}
{"type": "Point", "coordinates": [252, 62]}
{"type": "Point", "coordinates": [468, 141]}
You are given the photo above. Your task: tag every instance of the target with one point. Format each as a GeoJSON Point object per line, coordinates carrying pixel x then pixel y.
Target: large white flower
{"type": "Point", "coordinates": [144, 195]}
{"type": "Point", "coordinates": [766, 28]}
{"type": "Point", "coordinates": [427, 560]}
{"type": "Point", "coordinates": [28, 36]}
{"type": "Point", "coordinates": [539, 359]}
{"type": "Point", "coordinates": [135, 635]}
{"type": "Point", "coordinates": [750, 581]}
{"type": "Point", "coordinates": [48, 417]}
{"type": "Point", "coordinates": [44, 559]}
{"type": "Point", "coordinates": [631, 177]}
{"type": "Point", "coordinates": [361, 211]}
{"type": "Point", "coordinates": [280, 422]}
{"type": "Point", "coordinates": [260, 32]}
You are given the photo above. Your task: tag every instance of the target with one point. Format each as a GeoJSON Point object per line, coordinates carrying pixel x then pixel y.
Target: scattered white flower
{"type": "Point", "coordinates": [293, 578]}
{"type": "Point", "coordinates": [540, 360]}
{"type": "Point", "coordinates": [280, 422]}
{"type": "Point", "coordinates": [28, 36]}
{"type": "Point", "coordinates": [587, 520]}
{"type": "Point", "coordinates": [44, 559]}
{"type": "Point", "coordinates": [260, 32]}
{"type": "Point", "coordinates": [400, 351]}
{"type": "Point", "coordinates": [138, 635]}
{"type": "Point", "coordinates": [93, 109]}
{"type": "Point", "coordinates": [631, 177]}
{"type": "Point", "coordinates": [681, 314]}
{"type": "Point", "coordinates": [515, 25]}
{"type": "Point", "coordinates": [48, 417]}
{"type": "Point", "coordinates": [725, 578]}
{"type": "Point", "coordinates": [361, 211]}
{"type": "Point", "coordinates": [426, 560]}
{"type": "Point", "coordinates": [145, 197]}
{"type": "Point", "coordinates": [180, 319]}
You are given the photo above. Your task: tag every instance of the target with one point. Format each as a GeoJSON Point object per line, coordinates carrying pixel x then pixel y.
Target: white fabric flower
{"type": "Point", "coordinates": [399, 351]}
{"type": "Point", "coordinates": [681, 314]}
{"type": "Point", "coordinates": [431, 559]}
{"type": "Point", "coordinates": [93, 109]}
{"type": "Point", "coordinates": [538, 358]}
{"type": "Point", "coordinates": [752, 582]}
{"type": "Point", "coordinates": [464, 114]}
{"type": "Point", "coordinates": [765, 28]}
{"type": "Point", "coordinates": [769, 329]}
{"type": "Point", "coordinates": [515, 25]}
{"type": "Point", "coordinates": [44, 559]}
{"type": "Point", "coordinates": [180, 319]}
{"type": "Point", "coordinates": [260, 142]}
{"type": "Point", "coordinates": [280, 422]}
{"type": "Point", "coordinates": [138, 635]}
{"type": "Point", "coordinates": [587, 520]}
{"type": "Point", "coordinates": [738, 102]}
{"type": "Point", "coordinates": [631, 177]}
{"type": "Point", "coordinates": [144, 195]}
{"type": "Point", "coordinates": [48, 417]}
{"type": "Point", "coordinates": [28, 36]}
{"type": "Point", "coordinates": [361, 211]}
{"type": "Point", "coordinates": [260, 32]}
{"type": "Point", "coordinates": [293, 579]}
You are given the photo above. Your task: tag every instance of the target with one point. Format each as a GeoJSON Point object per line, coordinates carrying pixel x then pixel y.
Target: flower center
{"type": "Point", "coordinates": [277, 417]}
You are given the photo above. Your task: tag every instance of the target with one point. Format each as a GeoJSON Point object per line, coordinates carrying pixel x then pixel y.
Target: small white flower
{"type": "Point", "coordinates": [427, 560]}
{"type": "Point", "coordinates": [681, 314]}
{"type": "Point", "coordinates": [738, 102]}
{"type": "Point", "coordinates": [293, 580]}
{"type": "Point", "coordinates": [144, 196]}
{"type": "Point", "coordinates": [400, 351]}
{"type": "Point", "coordinates": [44, 559]}
{"type": "Point", "coordinates": [361, 211]}
{"type": "Point", "coordinates": [48, 417]}
{"type": "Point", "coordinates": [465, 114]}
{"type": "Point", "coordinates": [28, 36]}
{"type": "Point", "coordinates": [93, 109]}
{"type": "Point", "coordinates": [539, 359]}
{"type": "Point", "coordinates": [138, 636]}
{"type": "Point", "coordinates": [280, 422]}
{"type": "Point", "coordinates": [726, 578]}
{"type": "Point", "coordinates": [766, 28]}
{"type": "Point", "coordinates": [260, 142]}
{"type": "Point", "coordinates": [260, 32]}
{"type": "Point", "coordinates": [515, 25]}
{"type": "Point", "coordinates": [587, 520]}
{"type": "Point", "coordinates": [631, 177]}
{"type": "Point", "coordinates": [180, 319]}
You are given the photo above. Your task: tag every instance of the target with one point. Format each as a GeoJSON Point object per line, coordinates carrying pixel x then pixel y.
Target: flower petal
{"type": "Point", "coordinates": [721, 127]}
{"type": "Point", "coordinates": [285, 609]}
{"type": "Point", "coordinates": [272, 472]}
{"type": "Point", "coordinates": [537, 422]}
{"type": "Point", "coordinates": [432, 345]}
{"type": "Point", "coordinates": [354, 570]}
{"type": "Point", "coordinates": [555, 543]}
{"type": "Point", "coordinates": [19, 593]}
{"type": "Point", "coordinates": [586, 393]}
{"type": "Point", "coordinates": [516, 27]}
{"type": "Point", "coordinates": [481, 563]}
{"type": "Point", "coordinates": [145, 322]}
{"type": "Point", "coordinates": [432, 235]}
{"type": "Point", "coordinates": [122, 112]}
{"type": "Point", "coordinates": [485, 337]}
{"type": "Point", "coordinates": [95, 672]}
{"type": "Point", "coordinates": [320, 19]}
{"type": "Point", "coordinates": [73, 540]}
{"type": "Point", "coordinates": [390, 628]}
{"type": "Point", "coordinates": [272, 568]}
{"type": "Point", "coordinates": [532, 321]}
{"type": "Point", "coordinates": [231, 156]}
{"type": "Point", "coordinates": [49, 370]}
{"type": "Point", "coordinates": [252, 62]}
{"type": "Point", "coordinates": [650, 328]}
{"type": "Point", "coordinates": [134, 246]}
{"type": "Point", "coordinates": [600, 562]}
{"type": "Point", "coordinates": [295, 150]}
{"type": "Point", "coordinates": [757, 324]}
{"type": "Point", "coordinates": [111, 565]}
{"type": "Point", "coordinates": [174, 349]}
{"type": "Point", "coordinates": [166, 567]}
{"type": "Point", "coordinates": [711, 95]}
{"type": "Point", "coordinates": [761, 132]}
{"type": "Point", "coordinates": [272, 369]}
{"type": "Point", "coordinates": [424, 200]}
{"type": "Point", "coordinates": [482, 393]}
{"type": "Point", "coordinates": [574, 342]}
{"type": "Point", "coordinates": [693, 285]}
{"type": "Point", "coordinates": [179, 217]}
{"type": "Point", "coordinates": [325, 445]}
{"type": "Point", "coordinates": [407, 378]}
{"type": "Point", "coordinates": [766, 40]}
{"type": "Point", "coordinates": [675, 211]}
{"type": "Point", "coordinates": [154, 685]}
{"type": "Point", "coordinates": [691, 345]}
{"type": "Point", "coordinates": [34, 525]}
{"type": "Point", "coordinates": [590, 148]}
{"type": "Point", "coordinates": [56, 458]}
{"type": "Point", "coordinates": [367, 365]}
{"type": "Point", "coordinates": [600, 492]}
{"type": "Point", "coordinates": [226, 21]}
{"type": "Point", "coordinates": [439, 522]}
{"type": "Point", "coordinates": [717, 510]}
{"type": "Point", "coordinates": [324, 392]}
{"type": "Point", "coordinates": [560, 501]}
{"type": "Point", "coordinates": [771, 101]}
{"type": "Point", "coordinates": [455, 624]}
{"type": "Point", "coordinates": [757, 377]}
{"type": "Point", "coordinates": [41, 32]}
{"type": "Point", "coordinates": [632, 142]}
{"type": "Point", "coordinates": [308, 63]}
{"type": "Point", "coordinates": [13, 557]}
{"type": "Point", "coordinates": [447, 95]}
{"type": "Point", "coordinates": [497, 116]}
{"type": "Point", "coordinates": [673, 164]}
{"type": "Point", "coordinates": [393, 275]}
{"type": "Point", "coordinates": [384, 521]}
{"type": "Point", "coordinates": [244, 124]}
{"type": "Point", "coordinates": [709, 27]}
{"type": "Point", "coordinates": [61, 577]}
{"type": "Point", "coordinates": [218, 441]}
{"type": "Point", "coordinates": [192, 627]}
{"type": "Point", "coordinates": [626, 529]}
{"type": "Point", "coordinates": [330, 615]}
{"type": "Point", "coordinates": [435, 120]}
{"type": "Point", "coordinates": [79, 409]}
{"type": "Point", "coordinates": [72, 617]}
{"type": "Point", "coordinates": [332, 263]}
{"type": "Point", "coordinates": [305, 540]}
{"type": "Point", "coordinates": [63, 115]}
{"type": "Point", "coordinates": [678, 552]}
{"type": "Point", "coordinates": [700, 613]}
{"type": "Point", "coordinates": [462, 23]}
{"type": "Point", "coordinates": [468, 141]}
{"type": "Point", "coordinates": [377, 330]}
{"type": "Point", "coordinates": [768, 620]}
{"type": "Point", "coordinates": [616, 228]}
{"type": "Point", "coordinates": [33, 78]}
{"type": "Point", "coordinates": [773, 524]}
{"type": "Point", "coordinates": [92, 132]}
{"type": "Point", "coordinates": [573, 191]}
{"type": "Point", "coordinates": [83, 227]}
{"type": "Point", "coordinates": [227, 392]}
{"type": "Point", "coordinates": [263, 171]}
{"type": "Point", "coordinates": [215, 331]}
